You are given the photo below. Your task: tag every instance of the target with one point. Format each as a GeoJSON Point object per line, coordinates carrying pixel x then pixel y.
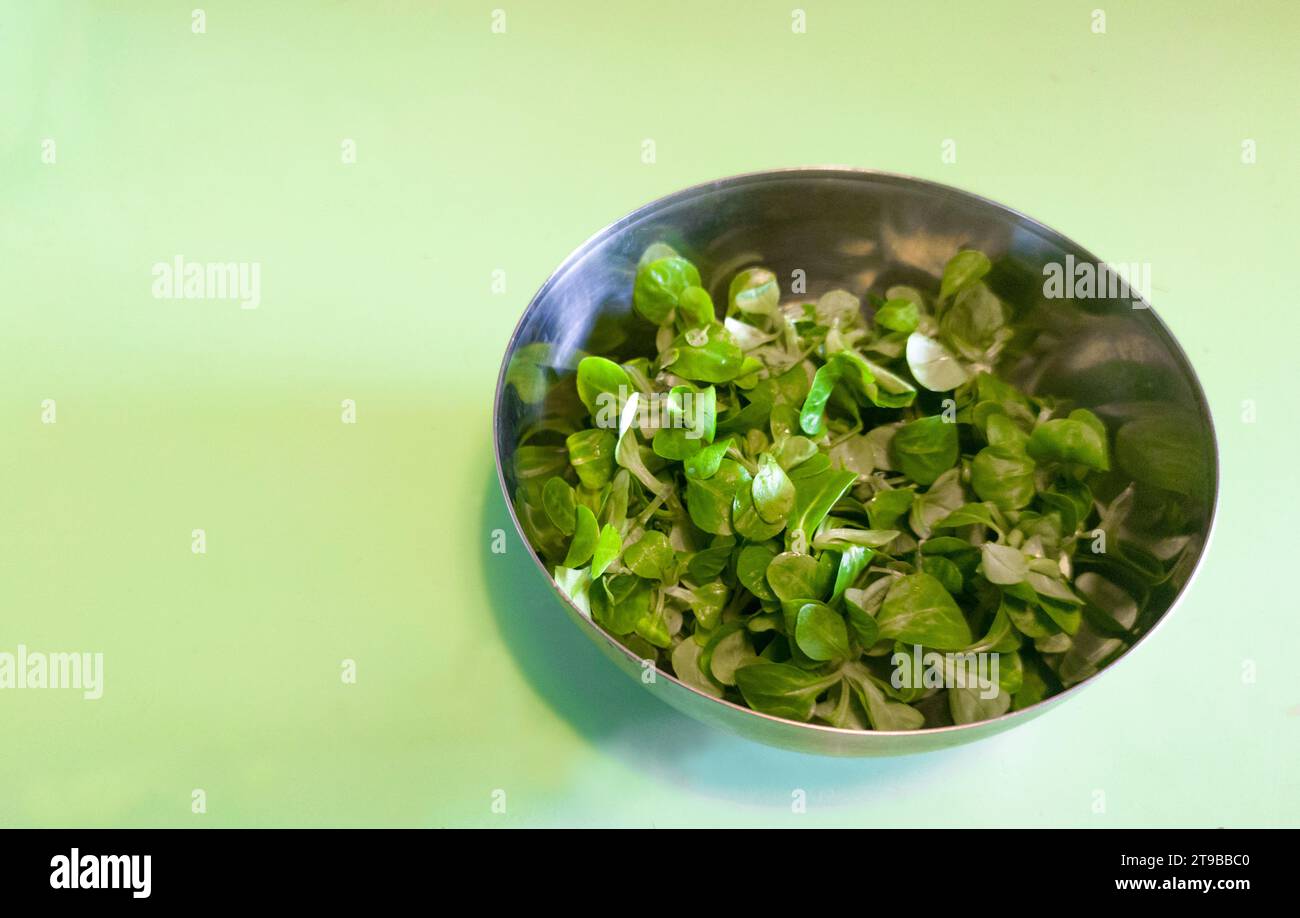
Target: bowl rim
{"type": "Point", "coordinates": [741, 179]}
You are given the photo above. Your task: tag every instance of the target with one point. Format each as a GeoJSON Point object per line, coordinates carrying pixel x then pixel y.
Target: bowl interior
{"type": "Point", "coordinates": [864, 232]}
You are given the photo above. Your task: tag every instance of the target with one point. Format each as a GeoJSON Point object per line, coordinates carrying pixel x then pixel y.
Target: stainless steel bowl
{"type": "Point", "coordinates": [863, 231]}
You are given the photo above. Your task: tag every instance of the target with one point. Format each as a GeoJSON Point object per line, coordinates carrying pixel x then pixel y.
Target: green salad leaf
{"type": "Point", "coordinates": [790, 503]}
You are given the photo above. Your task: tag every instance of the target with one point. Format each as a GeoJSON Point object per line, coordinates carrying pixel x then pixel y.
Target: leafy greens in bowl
{"type": "Point", "coordinates": [841, 511]}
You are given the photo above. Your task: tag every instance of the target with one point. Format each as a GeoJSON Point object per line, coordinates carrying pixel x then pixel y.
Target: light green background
{"type": "Point", "coordinates": [480, 151]}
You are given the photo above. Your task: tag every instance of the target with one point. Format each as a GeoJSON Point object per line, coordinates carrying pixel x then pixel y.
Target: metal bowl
{"type": "Point", "coordinates": [864, 231]}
